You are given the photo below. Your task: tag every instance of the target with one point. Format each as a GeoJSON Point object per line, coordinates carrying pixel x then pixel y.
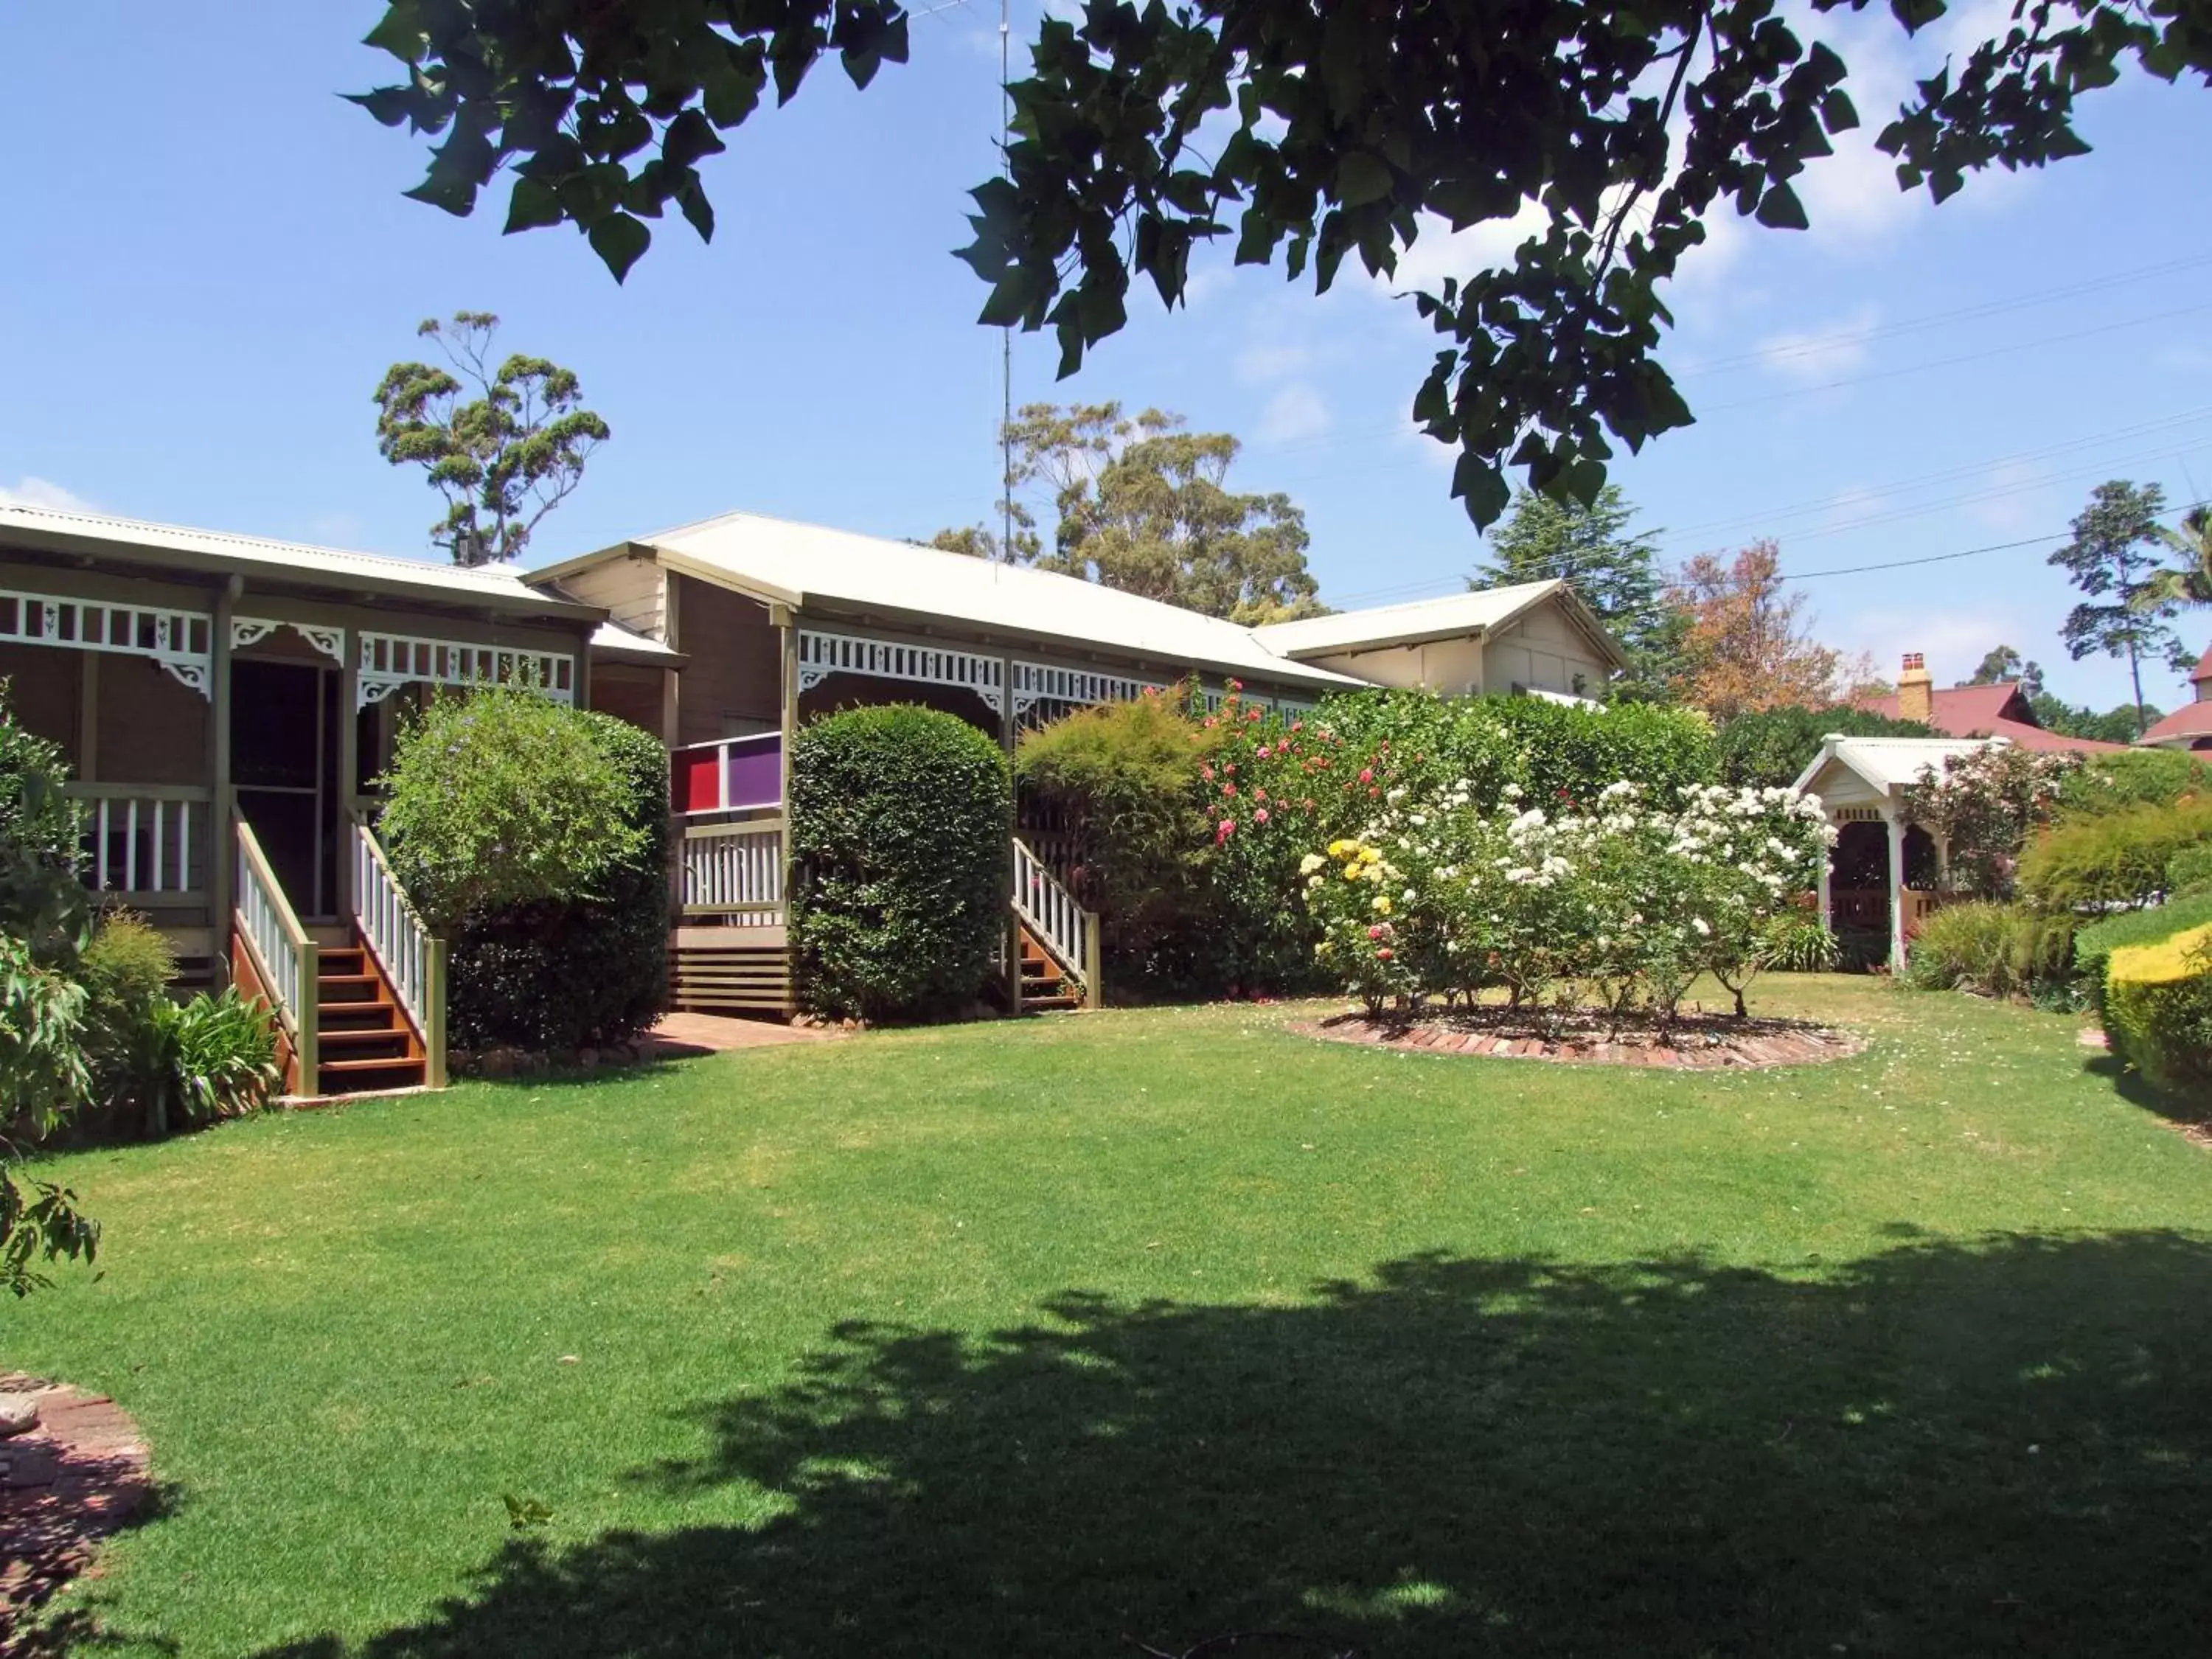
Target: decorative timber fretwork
{"type": "Point", "coordinates": [821, 654]}
{"type": "Point", "coordinates": [1037, 682]}
{"type": "Point", "coordinates": [389, 661]}
{"type": "Point", "coordinates": [178, 640]}
{"type": "Point", "coordinates": [252, 630]}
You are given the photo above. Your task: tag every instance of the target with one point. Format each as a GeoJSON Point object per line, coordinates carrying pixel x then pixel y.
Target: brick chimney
{"type": "Point", "coordinates": [1915, 690]}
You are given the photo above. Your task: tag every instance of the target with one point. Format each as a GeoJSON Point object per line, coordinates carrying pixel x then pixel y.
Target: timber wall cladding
{"type": "Point", "coordinates": [735, 671]}
{"type": "Point", "coordinates": [706, 976]}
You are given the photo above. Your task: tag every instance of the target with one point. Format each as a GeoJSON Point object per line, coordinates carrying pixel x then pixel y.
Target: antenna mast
{"type": "Point", "coordinates": [1006, 333]}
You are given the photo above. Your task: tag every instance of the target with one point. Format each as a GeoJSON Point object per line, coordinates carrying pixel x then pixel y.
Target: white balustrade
{"type": "Point", "coordinates": [412, 957]}
{"type": "Point", "coordinates": [144, 840]}
{"type": "Point", "coordinates": [1054, 917]}
{"type": "Point", "coordinates": [284, 957]}
{"type": "Point", "coordinates": [735, 870]}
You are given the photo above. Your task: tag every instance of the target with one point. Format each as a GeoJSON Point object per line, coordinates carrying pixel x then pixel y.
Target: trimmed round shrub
{"type": "Point", "coordinates": [2112, 859]}
{"type": "Point", "coordinates": [2094, 945]}
{"type": "Point", "coordinates": [2158, 1009]}
{"type": "Point", "coordinates": [900, 819]}
{"type": "Point", "coordinates": [589, 966]}
{"type": "Point", "coordinates": [499, 798]}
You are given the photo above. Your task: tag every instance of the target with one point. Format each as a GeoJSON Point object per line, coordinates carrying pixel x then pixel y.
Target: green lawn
{"type": "Point", "coordinates": [1040, 1339]}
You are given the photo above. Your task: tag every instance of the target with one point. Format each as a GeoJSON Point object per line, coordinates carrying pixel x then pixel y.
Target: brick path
{"type": "Point", "coordinates": [679, 1034]}
{"type": "Point", "coordinates": [1759, 1045]}
{"type": "Point", "coordinates": [81, 1475]}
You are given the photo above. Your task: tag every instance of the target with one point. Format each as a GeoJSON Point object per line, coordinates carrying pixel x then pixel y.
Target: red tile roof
{"type": "Point", "coordinates": [2203, 672]}
{"type": "Point", "coordinates": [1990, 711]}
{"type": "Point", "coordinates": [2191, 720]}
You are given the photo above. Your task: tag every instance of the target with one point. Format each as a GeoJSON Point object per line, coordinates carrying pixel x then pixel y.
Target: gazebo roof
{"type": "Point", "coordinates": [1882, 766]}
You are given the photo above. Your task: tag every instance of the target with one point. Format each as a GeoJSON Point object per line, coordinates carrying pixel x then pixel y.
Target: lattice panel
{"type": "Point", "coordinates": [820, 655]}
{"type": "Point", "coordinates": [179, 641]}
{"type": "Point", "coordinates": [389, 661]}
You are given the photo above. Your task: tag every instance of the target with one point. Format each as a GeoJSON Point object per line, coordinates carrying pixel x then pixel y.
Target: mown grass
{"type": "Point", "coordinates": [1050, 1337]}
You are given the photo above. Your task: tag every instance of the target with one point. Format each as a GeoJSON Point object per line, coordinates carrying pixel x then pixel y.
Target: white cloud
{"type": "Point", "coordinates": [39, 492]}
{"type": "Point", "coordinates": [1813, 357]}
{"type": "Point", "coordinates": [1297, 410]}
{"type": "Point", "coordinates": [1440, 252]}
{"type": "Point", "coordinates": [2015, 498]}
{"type": "Point", "coordinates": [1267, 361]}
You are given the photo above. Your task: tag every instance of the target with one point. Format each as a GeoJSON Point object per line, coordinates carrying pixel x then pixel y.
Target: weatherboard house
{"type": "Point", "coordinates": [226, 703]}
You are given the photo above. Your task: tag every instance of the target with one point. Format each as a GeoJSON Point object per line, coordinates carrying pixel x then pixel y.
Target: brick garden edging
{"type": "Point", "coordinates": [1707, 1046]}
{"type": "Point", "coordinates": [82, 1473]}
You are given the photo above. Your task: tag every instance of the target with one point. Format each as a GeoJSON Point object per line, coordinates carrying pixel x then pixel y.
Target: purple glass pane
{"type": "Point", "coordinates": [756, 771]}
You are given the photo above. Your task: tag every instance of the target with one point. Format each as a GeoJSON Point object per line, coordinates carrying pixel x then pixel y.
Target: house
{"type": "Point", "coordinates": [778, 621]}
{"type": "Point", "coordinates": [1535, 637]}
{"type": "Point", "coordinates": [1881, 880]}
{"type": "Point", "coordinates": [2189, 726]}
{"type": "Point", "coordinates": [1973, 711]}
{"type": "Point", "coordinates": [226, 702]}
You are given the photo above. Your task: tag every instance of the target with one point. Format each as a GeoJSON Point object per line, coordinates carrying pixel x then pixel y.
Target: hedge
{"type": "Point", "coordinates": [1545, 748]}
{"type": "Point", "coordinates": [2158, 1008]}
{"type": "Point", "coordinates": [2094, 946]}
{"type": "Point", "coordinates": [2135, 777]}
{"type": "Point", "coordinates": [583, 971]}
{"type": "Point", "coordinates": [2112, 859]}
{"type": "Point", "coordinates": [1770, 749]}
{"type": "Point", "coordinates": [900, 820]}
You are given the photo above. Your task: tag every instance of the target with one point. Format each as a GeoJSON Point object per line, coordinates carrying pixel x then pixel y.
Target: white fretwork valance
{"type": "Point", "coordinates": [180, 641]}
{"type": "Point", "coordinates": [389, 661]}
{"type": "Point", "coordinates": [820, 655]}
{"type": "Point", "coordinates": [1037, 682]}
{"type": "Point", "coordinates": [252, 630]}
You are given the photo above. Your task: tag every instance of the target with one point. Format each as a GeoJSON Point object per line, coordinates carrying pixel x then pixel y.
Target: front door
{"type": "Point", "coordinates": [284, 764]}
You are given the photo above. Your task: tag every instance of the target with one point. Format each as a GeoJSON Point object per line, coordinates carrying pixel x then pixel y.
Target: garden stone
{"type": "Point", "coordinates": [19, 1412]}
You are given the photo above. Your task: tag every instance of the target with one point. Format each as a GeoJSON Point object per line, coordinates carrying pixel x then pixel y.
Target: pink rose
{"type": "Point", "coordinates": [1259, 816]}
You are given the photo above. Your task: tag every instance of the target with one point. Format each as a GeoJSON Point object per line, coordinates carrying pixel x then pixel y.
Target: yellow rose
{"type": "Point", "coordinates": [1382, 904]}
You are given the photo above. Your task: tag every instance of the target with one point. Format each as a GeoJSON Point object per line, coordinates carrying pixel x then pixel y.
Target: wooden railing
{"type": "Point", "coordinates": [1067, 930]}
{"type": "Point", "coordinates": [283, 957]}
{"type": "Point", "coordinates": [735, 871]}
{"type": "Point", "coordinates": [145, 841]}
{"type": "Point", "coordinates": [412, 957]}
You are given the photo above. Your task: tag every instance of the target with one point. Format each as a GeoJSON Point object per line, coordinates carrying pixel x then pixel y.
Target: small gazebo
{"type": "Point", "coordinates": [1883, 875]}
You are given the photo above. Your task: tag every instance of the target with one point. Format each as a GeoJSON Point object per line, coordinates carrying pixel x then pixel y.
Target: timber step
{"type": "Point", "coordinates": [1044, 983]}
{"type": "Point", "coordinates": [362, 1040]}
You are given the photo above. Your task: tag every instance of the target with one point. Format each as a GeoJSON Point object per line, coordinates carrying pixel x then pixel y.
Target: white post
{"type": "Point", "coordinates": [1896, 890]}
{"type": "Point", "coordinates": [1828, 882]}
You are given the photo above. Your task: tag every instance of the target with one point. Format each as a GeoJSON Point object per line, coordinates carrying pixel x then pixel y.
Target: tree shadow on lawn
{"type": "Point", "coordinates": [1944, 1450]}
{"type": "Point", "coordinates": [2132, 1086]}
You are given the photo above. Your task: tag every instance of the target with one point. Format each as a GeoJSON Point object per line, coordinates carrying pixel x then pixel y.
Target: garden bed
{"type": "Point", "coordinates": [1695, 1042]}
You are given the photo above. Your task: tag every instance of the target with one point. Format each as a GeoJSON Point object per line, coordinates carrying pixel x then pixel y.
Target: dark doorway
{"type": "Point", "coordinates": [283, 764]}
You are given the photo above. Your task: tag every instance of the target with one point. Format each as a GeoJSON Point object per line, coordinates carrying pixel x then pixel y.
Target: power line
{"type": "Point", "coordinates": [2044, 540]}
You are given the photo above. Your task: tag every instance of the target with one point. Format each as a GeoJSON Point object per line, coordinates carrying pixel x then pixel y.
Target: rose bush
{"type": "Point", "coordinates": [1622, 897]}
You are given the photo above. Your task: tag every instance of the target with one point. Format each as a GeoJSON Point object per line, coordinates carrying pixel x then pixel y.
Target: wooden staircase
{"type": "Point", "coordinates": [363, 1040]}
{"type": "Point", "coordinates": [1044, 983]}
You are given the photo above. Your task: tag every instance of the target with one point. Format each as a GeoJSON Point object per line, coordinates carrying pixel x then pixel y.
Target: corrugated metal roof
{"type": "Point", "coordinates": [1889, 763]}
{"type": "Point", "coordinates": [498, 585]}
{"type": "Point", "coordinates": [803, 563]}
{"type": "Point", "coordinates": [1388, 624]}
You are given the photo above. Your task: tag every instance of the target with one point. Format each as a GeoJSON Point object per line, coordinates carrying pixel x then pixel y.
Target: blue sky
{"type": "Point", "coordinates": [206, 264]}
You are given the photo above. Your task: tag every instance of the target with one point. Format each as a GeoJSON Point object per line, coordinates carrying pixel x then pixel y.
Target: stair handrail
{"type": "Point", "coordinates": [413, 957]}
{"type": "Point", "coordinates": [1057, 920]}
{"type": "Point", "coordinates": [284, 957]}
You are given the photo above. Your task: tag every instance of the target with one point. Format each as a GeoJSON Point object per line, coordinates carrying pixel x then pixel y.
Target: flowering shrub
{"type": "Point", "coordinates": [1985, 806]}
{"type": "Point", "coordinates": [1441, 896]}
